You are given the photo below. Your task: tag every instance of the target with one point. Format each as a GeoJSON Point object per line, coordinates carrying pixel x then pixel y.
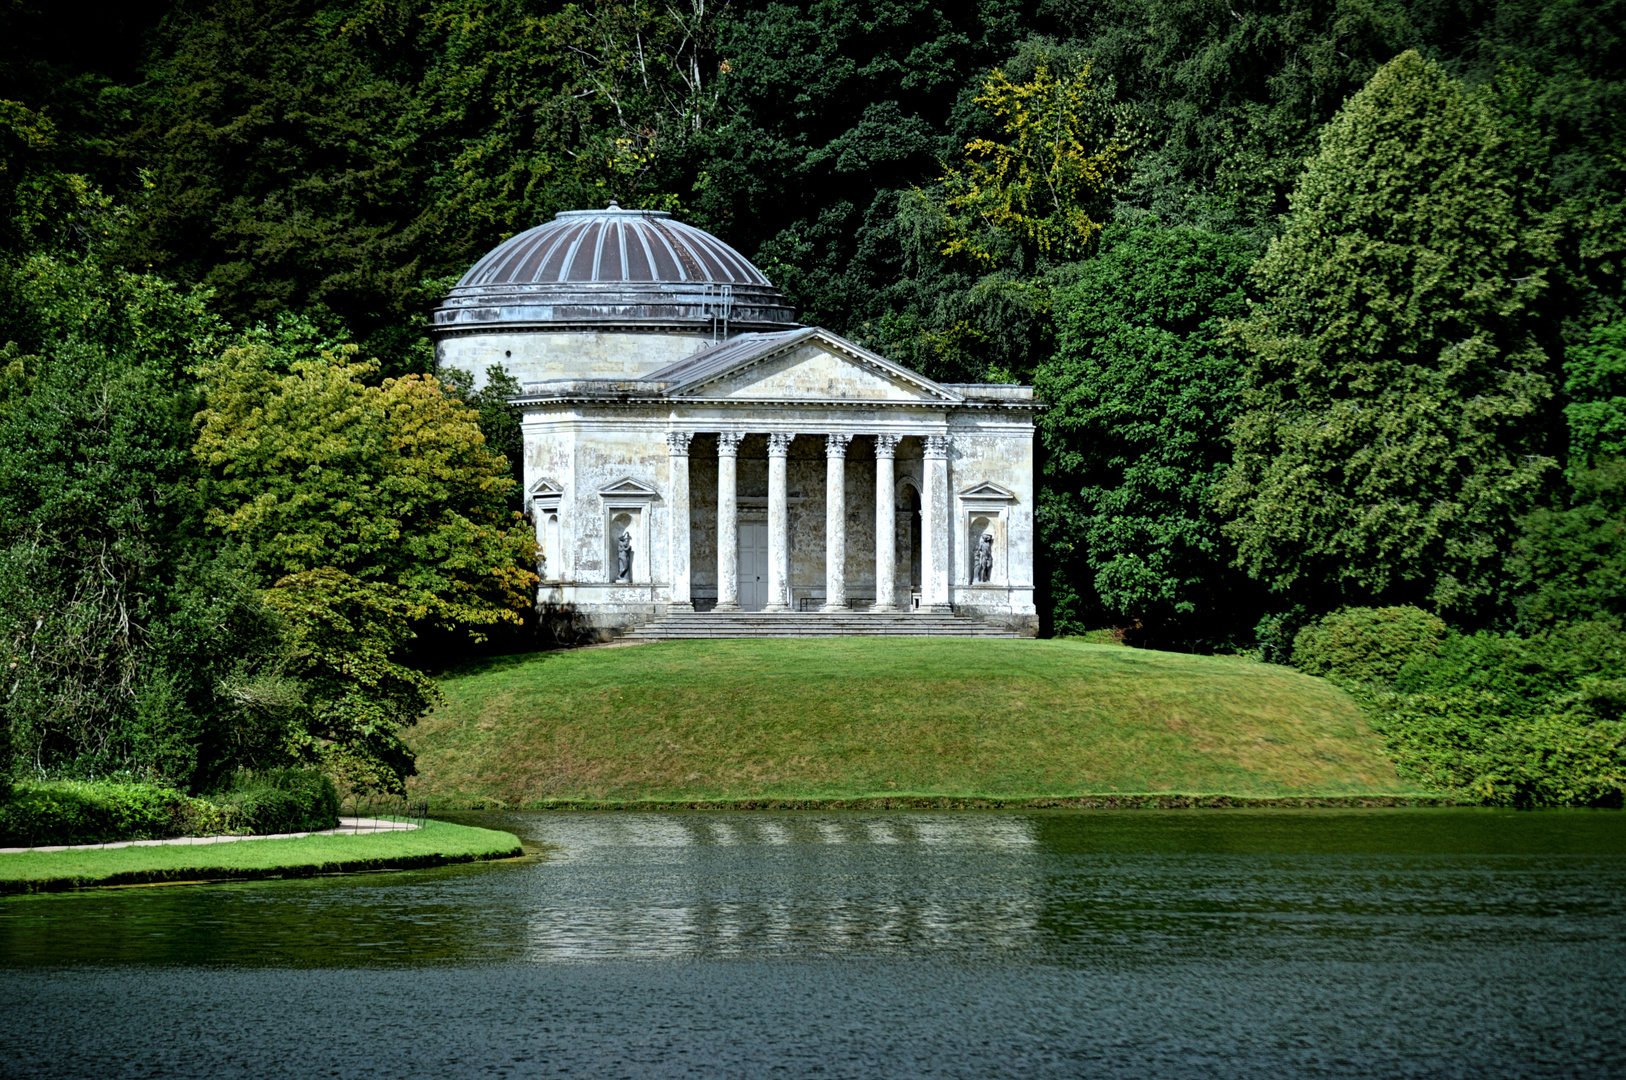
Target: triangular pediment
{"type": "Point", "coordinates": [544, 486]}
{"type": "Point", "coordinates": [987, 490]}
{"type": "Point", "coordinates": [805, 365]}
{"type": "Point", "coordinates": [627, 487]}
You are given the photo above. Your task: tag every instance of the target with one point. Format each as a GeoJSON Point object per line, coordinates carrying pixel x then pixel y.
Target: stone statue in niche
{"type": "Point", "coordinates": [623, 557]}
{"type": "Point", "coordinates": [985, 558]}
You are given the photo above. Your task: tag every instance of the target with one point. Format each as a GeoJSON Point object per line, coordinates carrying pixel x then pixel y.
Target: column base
{"type": "Point", "coordinates": [834, 609]}
{"type": "Point", "coordinates": [937, 609]}
{"type": "Point", "coordinates": [884, 609]}
{"type": "Point", "coordinates": [776, 608]}
{"type": "Point", "coordinates": [726, 605]}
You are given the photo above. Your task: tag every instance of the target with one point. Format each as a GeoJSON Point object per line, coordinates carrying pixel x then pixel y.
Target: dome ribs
{"type": "Point", "coordinates": [677, 257]}
{"type": "Point", "coordinates": [646, 264]}
{"type": "Point", "coordinates": [554, 256]}
{"type": "Point", "coordinates": [573, 270]}
{"type": "Point", "coordinates": [529, 258]}
{"type": "Point", "coordinates": [618, 254]}
{"type": "Point", "coordinates": [635, 269]}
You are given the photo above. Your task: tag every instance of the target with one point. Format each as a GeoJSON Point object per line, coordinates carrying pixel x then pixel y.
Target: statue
{"type": "Point", "coordinates": [985, 558]}
{"type": "Point", "coordinates": [623, 559]}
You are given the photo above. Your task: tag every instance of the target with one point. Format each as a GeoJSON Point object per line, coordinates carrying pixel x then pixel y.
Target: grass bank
{"type": "Point", "coordinates": [893, 722]}
{"type": "Point", "coordinates": [436, 844]}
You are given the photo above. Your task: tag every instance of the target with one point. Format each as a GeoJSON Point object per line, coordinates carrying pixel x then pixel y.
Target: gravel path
{"type": "Point", "coordinates": [348, 826]}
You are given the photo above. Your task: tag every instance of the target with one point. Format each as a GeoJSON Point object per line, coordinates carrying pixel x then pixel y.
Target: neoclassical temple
{"type": "Point", "coordinates": [689, 447]}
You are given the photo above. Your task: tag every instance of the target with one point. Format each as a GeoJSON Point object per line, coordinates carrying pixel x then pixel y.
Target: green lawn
{"type": "Point", "coordinates": [435, 844]}
{"type": "Point", "coordinates": [852, 718]}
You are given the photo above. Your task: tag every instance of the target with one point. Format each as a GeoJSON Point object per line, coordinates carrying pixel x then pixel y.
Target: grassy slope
{"type": "Point", "coordinates": [436, 843]}
{"type": "Point", "coordinates": [837, 718]}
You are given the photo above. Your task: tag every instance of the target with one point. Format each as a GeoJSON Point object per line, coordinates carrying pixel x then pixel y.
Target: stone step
{"type": "Point", "coordinates": [823, 620]}
{"type": "Point", "coordinates": [794, 633]}
{"type": "Point", "coordinates": [814, 624]}
{"type": "Point", "coordinates": [855, 623]}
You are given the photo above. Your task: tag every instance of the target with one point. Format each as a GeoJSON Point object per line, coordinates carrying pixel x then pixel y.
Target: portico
{"type": "Point", "coordinates": [765, 498]}
{"type": "Point", "coordinates": [845, 571]}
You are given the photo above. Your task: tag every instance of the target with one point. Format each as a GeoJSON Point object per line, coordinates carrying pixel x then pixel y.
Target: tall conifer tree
{"type": "Point", "coordinates": [1391, 432]}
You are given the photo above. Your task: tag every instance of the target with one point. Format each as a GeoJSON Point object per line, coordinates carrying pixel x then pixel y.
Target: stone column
{"type": "Point", "coordinates": [934, 513]}
{"type": "Point", "coordinates": [778, 525]}
{"type": "Point", "coordinates": [728, 528]}
{"type": "Point", "coordinates": [677, 542]}
{"type": "Point", "coordinates": [886, 525]}
{"type": "Point", "coordinates": [835, 522]}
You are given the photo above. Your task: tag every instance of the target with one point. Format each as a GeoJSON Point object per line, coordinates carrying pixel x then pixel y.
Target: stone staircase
{"type": "Point", "coordinates": [796, 624]}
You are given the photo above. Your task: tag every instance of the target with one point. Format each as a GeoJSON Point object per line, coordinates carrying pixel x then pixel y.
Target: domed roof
{"type": "Point", "coordinates": [598, 269]}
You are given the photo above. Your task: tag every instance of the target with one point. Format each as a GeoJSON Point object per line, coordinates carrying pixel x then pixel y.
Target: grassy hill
{"type": "Point", "coordinates": [849, 718]}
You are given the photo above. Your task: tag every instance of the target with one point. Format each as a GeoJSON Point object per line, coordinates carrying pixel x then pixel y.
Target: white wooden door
{"type": "Point", "coordinates": [753, 567]}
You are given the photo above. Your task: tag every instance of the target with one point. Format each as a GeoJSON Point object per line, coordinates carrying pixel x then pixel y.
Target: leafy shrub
{"type": "Point", "coordinates": [104, 811]}
{"type": "Point", "coordinates": [1528, 676]}
{"type": "Point", "coordinates": [1367, 645]}
{"type": "Point", "coordinates": [284, 800]}
{"type": "Point", "coordinates": [71, 812]}
{"type": "Point", "coordinates": [1513, 721]}
{"type": "Point", "coordinates": [1274, 635]}
{"type": "Point", "coordinates": [1466, 742]}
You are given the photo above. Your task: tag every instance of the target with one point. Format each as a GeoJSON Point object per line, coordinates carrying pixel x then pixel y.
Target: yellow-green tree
{"type": "Point", "coordinates": [390, 482]}
{"type": "Point", "coordinates": [1037, 186]}
{"type": "Point", "coordinates": [375, 509]}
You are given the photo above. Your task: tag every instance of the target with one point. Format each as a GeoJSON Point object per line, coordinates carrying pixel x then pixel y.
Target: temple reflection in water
{"type": "Point", "coordinates": [709, 886]}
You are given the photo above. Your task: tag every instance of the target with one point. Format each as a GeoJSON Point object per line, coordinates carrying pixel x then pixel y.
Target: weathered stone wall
{"type": "Point", "coordinates": [992, 449]}
{"type": "Point", "coordinates": [533, 356]}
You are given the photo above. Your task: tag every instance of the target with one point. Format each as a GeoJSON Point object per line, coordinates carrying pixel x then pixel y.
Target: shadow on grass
{"type": "Point", "coordinates": [548, 629]}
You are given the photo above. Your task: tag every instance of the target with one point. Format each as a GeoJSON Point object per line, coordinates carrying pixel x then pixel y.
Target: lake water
{"type": "Point", "coordinates": [1426, 943]}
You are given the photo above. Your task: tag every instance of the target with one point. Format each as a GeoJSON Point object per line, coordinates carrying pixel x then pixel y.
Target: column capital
{"type": "Point", "coordinates": [936, 446]}
{"type": "Point", "coordinates": [779, 444]}
{"type": "Point", "coordinates": [887, 445]}
{"type": "Point", "coordinates": [677, 442]}
{"type": "Point", "coordinates": [836, 445]}
{"type": "Point", "coordinates": [728, 442]}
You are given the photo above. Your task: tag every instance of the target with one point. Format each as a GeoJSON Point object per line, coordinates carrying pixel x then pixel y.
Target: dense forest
{"type": "Point", "coordinates": [1325, 296]}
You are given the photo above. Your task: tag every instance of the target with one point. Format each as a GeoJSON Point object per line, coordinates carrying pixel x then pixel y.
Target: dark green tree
{"type": "Point", "coordinates": [1571, 560]}
{"type": "Point", "coordinates": [133, 640]}
{"type": "Point", "coordinates": [275, 145]}
{"type": "Point", "coordinates": [827, 112]}
{"type": "Point", "coordinates": [1142, 391]}
{"type": "Point", "coordinates": [499, 420]}
{"type": "Point", "coordinates": [1233, 94]}
{"type": "Point", "coordinates": [1595, 380]}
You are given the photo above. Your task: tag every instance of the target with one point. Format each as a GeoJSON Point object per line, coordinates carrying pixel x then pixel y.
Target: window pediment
{"type": "Point", "coordinates": [989, 491]}
{"type": "Point", "coordinates": [628, 488]}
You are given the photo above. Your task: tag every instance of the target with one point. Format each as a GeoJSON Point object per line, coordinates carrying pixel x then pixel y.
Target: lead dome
{"type": "Point", "coordinates": [598, 294]}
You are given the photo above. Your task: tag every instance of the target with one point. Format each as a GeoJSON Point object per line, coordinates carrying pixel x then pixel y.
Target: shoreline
{"type": "Point", "coordinates": [1128, 801]}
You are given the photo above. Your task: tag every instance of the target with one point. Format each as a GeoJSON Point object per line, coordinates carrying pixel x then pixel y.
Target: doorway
{"type": "Point", "coordinates": [914, 539]}
{"type": "Point", "coordinates": [753, 564]}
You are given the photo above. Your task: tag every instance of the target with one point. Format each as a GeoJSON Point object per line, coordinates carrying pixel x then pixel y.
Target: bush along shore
{"type": "Point", "coordinates": [436, 843]}
{"type": "Point", "coordinates": [1493, 718]}
{"type": "Point", "coordinates": [107, 811]}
